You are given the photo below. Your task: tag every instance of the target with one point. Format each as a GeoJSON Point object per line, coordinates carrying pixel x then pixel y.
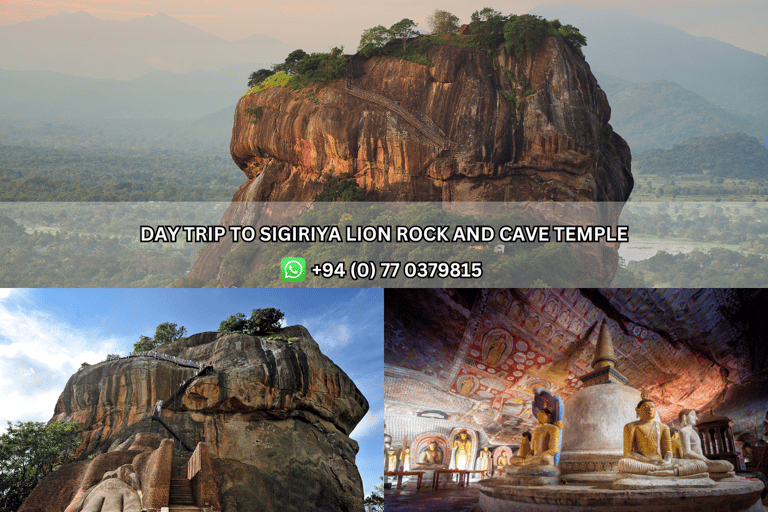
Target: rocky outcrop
{"type": "Point", "coordinates": [531, 129]}
{"type": "Point", "coordinates": [274, 411]}
{"type": "Point", "coordinates": [469, 128]}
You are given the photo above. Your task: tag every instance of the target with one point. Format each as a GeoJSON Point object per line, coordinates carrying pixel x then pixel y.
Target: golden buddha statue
{"type": "Point", "coordinates": [391, 461]}
{"type": "Point", "coordinates": [485, 461]}
{"type": "Point", "coordinates": [677, 449]}
{"type": "Point", "coordinates": [462, 446]}
{"type": "Point", "coordinates": [525, 445]}
{"type": "Point", "coordinates": [648, 447]}
{"type": "Point", "coordinates": [690, 445]}
{"type": "Point", "coordinates": [431, 455]}
{"type": "Point", "coordinates": [501, 462]}
{"type": "Point", "coordinates": [544, 445]}
{"type": "Point", "coordinates": [545, 441]}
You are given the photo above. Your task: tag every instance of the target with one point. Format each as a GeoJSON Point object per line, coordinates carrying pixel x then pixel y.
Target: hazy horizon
{"type": "Point", "coordinates": [317, 26]}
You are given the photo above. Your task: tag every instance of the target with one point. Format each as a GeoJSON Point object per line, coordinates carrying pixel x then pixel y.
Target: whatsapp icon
{"type": "Point", "coordinates": [292, 270]}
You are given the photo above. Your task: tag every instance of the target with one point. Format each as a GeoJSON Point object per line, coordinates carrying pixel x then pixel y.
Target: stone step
{"type": "Point", "coordinates": [181, 492]}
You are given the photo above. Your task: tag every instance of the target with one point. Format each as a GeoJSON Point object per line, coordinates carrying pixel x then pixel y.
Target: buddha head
{"type": "Point", "coordinates": [544, 416]}
{"type": "Point", "coordinates": [432, 446]}
{"type": "Point", "coordinates": [646, 410]}
{"type": "Point", "coordinates": [687, 417]}
{"type": "Point", "coordinates": [462, 435]}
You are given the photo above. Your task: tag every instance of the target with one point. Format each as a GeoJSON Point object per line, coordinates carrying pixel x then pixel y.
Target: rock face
{"type": "Point", "coordinates": [275, 416]}
{"type": "Point", "coordinates": [467, 143]}
{"type": "Point", "coordinates": [469, 128]}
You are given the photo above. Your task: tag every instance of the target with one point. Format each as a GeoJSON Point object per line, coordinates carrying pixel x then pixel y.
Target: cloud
{"type": "Point", "coordinates": [372, 424]}
{"type": "Point", "coordinates": [333, 334]}
{"type": "Point", "coordinates": [38, 353]}
{"type": "Point", "coordinates": [340, 325]}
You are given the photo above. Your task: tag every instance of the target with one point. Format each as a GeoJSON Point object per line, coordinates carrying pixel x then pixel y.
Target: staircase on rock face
{"type": "Point", "coordinates": [431, 132]}
{"type": "Point", "coordinates": [181, 487]}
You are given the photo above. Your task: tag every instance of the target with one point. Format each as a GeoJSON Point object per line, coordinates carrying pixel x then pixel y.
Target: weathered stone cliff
{"type": "Point", "coordinates": [468, 142]}
{"type": "Point", "coordinates": [469, 128]}
{"type": "Point", "coordinates": [275, 415]}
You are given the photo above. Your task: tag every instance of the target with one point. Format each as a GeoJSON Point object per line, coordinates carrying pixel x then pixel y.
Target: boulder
{"type": "Point", "coordinates": [272, 410]}
{"type": "Point", "coordinates": [469, 128]}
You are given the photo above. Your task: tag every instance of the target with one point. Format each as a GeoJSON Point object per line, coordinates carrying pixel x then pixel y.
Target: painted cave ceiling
{"type": "Point", "coordinates": [471, 358]}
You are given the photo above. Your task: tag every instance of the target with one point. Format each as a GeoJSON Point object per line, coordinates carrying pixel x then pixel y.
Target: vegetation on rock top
{"type": "Point", "coordinates": [488, 31]}
{"type": "Point", "coordinates": [261, 321]}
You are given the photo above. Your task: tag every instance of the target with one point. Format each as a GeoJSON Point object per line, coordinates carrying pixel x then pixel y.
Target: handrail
{"type": "Point", "coordinates": [205, 370]}
{"type": "Point", "coordinates": [156, 417]}
{"type": "Point", "coordinates": [440, 141]}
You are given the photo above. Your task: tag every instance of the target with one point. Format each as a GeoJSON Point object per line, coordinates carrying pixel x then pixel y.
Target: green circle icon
{"type": "Point", "coordinates": [293, 270]}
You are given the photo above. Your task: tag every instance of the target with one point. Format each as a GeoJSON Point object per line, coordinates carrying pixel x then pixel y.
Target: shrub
{"type": "Point", "coordinates": [259, 76]}
{"type": "Point", "coordinates": [341, 188]}
{"type": "Point", "coordinates": [524, 33]}
{"type": "Point", "coordinates": [442, 22]}
{"type": "Point", "coordinates": [279, 79]}
{"type": "Point", "coordinates": [262, 321]}
{"type": "Point", "coordinates": [255, 112]}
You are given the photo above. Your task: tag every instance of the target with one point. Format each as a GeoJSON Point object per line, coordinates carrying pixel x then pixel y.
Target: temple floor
{"type": "Point", "coordinates": [450, 498]}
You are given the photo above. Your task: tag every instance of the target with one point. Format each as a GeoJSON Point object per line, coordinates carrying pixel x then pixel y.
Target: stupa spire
{"type": "Point", "coordinates": [604, 355]}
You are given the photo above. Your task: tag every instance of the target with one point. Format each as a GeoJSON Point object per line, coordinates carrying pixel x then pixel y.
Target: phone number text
{"type": "Point", "coordinates": [393, 269]}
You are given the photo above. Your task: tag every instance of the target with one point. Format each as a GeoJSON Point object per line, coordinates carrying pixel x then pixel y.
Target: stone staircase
{"type": "Point", "coordinates": [431, 132]}
{"type": "Point", "coordinates": [181, 487]}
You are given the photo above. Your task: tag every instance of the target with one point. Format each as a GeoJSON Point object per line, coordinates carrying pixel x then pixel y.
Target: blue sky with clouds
{"type": "Point", "coordinates": [45, 335]}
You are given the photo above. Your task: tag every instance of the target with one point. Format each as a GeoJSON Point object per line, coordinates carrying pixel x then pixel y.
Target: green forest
{"type": "Point", "coordinates": [729, 240]}
{"type": "Point", "coordinates": [95, 245]}
{"type": "Point", "coordinates": [731, 155]}
{"type": "Point", "coordinates": [46, 174]}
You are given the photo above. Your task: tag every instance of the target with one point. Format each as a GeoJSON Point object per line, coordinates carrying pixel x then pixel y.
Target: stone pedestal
{"type": "Point", "coordinates": [629, 481]}
{"type": "Point", "coordinates": [593, 431]}
{"type": "Point", "coordinates": [737, 496]}
{"type": "Point", "coordinates": [536, 475]}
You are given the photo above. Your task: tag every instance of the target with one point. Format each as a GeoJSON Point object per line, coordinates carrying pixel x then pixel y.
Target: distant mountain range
{"type": "Point", "coordinates": [663, 84]}
{"type": "Point", "coordinates": [83, 45]}
{"type": "Point", "coordinates": [156, 95]}
{"type": "Point", "coordinates": [637, 50]}
{"type": "Point", "coordinates": [661, 114]}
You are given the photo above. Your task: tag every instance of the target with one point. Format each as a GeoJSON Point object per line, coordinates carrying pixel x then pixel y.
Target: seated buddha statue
{"type": "Point", "coordinates": [690, 445]}
{"type": "Point", "coordinates": [525, 445]}
{"type": "Point", "coordinates": [648, 447]}
{"type": "Point", "coordinates": [430, 456]}
{"type": "Point", "coordinates": [501, 463]}
{"type": "Point", "coordinates": [545, 441]}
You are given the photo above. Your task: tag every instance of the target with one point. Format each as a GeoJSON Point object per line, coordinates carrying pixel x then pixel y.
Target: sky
{"type": "Point", "coordinates": [46, 334]}
{"type": "Point", "coordinates": [318, 25]}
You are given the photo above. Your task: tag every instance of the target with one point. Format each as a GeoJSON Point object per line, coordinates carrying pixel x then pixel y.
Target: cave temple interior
{"type": "Point", "coordinates": [468, 359]}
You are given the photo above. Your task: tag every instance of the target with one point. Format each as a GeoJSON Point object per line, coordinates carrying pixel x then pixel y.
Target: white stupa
{"type": "Point", "coordinates": [593, 425]}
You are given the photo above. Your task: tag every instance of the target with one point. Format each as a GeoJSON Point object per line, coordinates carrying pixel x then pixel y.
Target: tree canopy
{"type": "Point", "coordinates": [165, 334]}
{"type": "Point", "coordinates": [261, 321]}
{"type": "Point", "coordinates": [373, 38]}
{"type": "Point", "coordinates": [28, 452]}
{"type": "Point", "coordinates": [259, 76]}
{"type": "Point", "coordinates": [404, 29]}
{"type": "Point", "coordinates": [442, 22]}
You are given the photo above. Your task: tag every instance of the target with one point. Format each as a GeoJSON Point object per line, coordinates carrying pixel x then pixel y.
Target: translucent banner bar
{"type": "Point", "coordinates": [381, 244]}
